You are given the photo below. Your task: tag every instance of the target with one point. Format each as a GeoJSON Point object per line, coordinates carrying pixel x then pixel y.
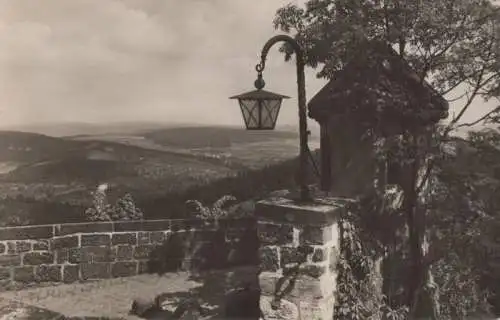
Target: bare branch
{"type": "Point", "coordinates": [483, 118]}
{"type": "Point", "coordinates": [457, 98]}
{"type": "Point", "coordinates": [467, 104]}
{"type": "Point", "coordinates": [449, 128]}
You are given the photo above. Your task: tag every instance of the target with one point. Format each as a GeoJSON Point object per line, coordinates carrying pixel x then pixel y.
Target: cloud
{"type": "Point", "coordinates": [101, 60]}
{"type": "Point", "coordinates": [113, 60]}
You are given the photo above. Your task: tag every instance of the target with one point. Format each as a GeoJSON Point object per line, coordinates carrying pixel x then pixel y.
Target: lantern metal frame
{"type": "Point", "coordinates": [260, 116]}
{"type": "Point", "coordinates": [304, 133]}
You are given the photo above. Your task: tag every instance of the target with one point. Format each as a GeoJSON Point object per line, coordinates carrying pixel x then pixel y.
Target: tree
{"type": "Point", "coordinates": [215, 211]}
{"type": "Point", "coordinates": [451, 44]}
{"type": "Point", "coordinates": [101, 210]}
{"type": "Point", "coordinates": [125, 209]}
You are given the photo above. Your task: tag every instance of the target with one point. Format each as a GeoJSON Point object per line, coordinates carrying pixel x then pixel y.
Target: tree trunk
{"type": "Point", "coordinates": [421, 300]}
{"type": "Point", "coordinates": [415, 276]}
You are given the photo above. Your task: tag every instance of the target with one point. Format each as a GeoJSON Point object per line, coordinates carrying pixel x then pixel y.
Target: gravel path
{"type": "Point", "coordinates": [106, 298]}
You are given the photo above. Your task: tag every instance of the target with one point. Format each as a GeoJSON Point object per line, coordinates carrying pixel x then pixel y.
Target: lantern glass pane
{"type": "Point", "coordinates": [270, 110]}
{"type": "Point", "coordinates": [250, 111]}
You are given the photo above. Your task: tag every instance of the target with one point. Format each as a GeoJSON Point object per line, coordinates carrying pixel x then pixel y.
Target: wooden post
{"type": "Point", "coordinates": [326, 157]}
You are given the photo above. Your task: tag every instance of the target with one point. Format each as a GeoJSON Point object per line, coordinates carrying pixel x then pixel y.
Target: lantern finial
{"type": "Point", "coordinates": [259, 83]}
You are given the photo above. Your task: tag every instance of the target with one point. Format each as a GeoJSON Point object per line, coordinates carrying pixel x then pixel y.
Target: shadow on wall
{"type": "Point", "coordinates": [220, 248]}
{"type": "Point", "coordinates": [217, 249]}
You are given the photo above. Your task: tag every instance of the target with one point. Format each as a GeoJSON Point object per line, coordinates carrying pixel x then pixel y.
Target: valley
{"type": "Point", "coordinates": [37, 169]}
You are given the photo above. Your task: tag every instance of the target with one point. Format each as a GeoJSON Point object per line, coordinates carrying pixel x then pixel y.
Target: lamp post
{"type": "Point", "coordinates": [257, 99]}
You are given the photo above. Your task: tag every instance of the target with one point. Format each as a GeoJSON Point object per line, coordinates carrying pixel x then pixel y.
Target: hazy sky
{"type": "Point", "coordinates": [125, 60]}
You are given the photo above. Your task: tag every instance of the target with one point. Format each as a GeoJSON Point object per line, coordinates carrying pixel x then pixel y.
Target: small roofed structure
{"type": "Point", "coordinates": [378, 91]}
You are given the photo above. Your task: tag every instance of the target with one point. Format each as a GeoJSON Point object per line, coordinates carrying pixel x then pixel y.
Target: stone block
{"type": "Point", "coordinates": [186, 224]}
{"type": "Point", "coordinates": [128, 238]}
{"type": "Point", "coordinates": [314, 235]}
{"type": "Point", "coordinates": [5, 274]}
{"type": "Point", "coordinates": [267, 282]}
{"type": "Point", "coordinates": [275, 234]}
{"type": "Point", "coordinates": [71, 273]}
{"type": "Point", "coordinates": [124, 269]}
{"type": "Point", "coordinates": [144, 238]}
{"type": "Point", "coordinates": [62, 256]}
{"type": "Point", "coordinates": [313, 270]}
{"type": "Point", "coordinates": [27, 233]}
{"type": "Point", "coordinates": [97, 239]}
{"type": "Point", "coordinates": [269, 259]}
{"type": "Point", "coordinates": [91, 271]}
{"type": "Point", "coordinates": [320, 211]}
{"type": "Point", "coordinates": [41, 245]}
{"type": "Point", "coordinates": [87, 227]}
{"type": "Point", "coordinates": [143, 251]}
{"type": "Point", "coordinates": [65, 242]}
{"type": "Point", "coordinates": [24, 274]}
{"type": "Point", "coordinates": [8, 260]}
{"type": "Point", "coordinates": [37, 258]}
{"type": "Point", "coordinates": [320, 254]}
{"type": "Point", "coordinates": [156, 225]}
{"type": "Point", "coordinates": [157, 237]}
{"type": "Point", "coordinates": [317, 309]}
{"type": "Point", "coordinates": [305, 288]}
{"type": "Point", "coordinates": [48, 273]}
{"type": "Point", "coordinates": [124, 253]}
{"type": "Point", "coordinates": [130, 225]}
{"type": "Point", "coordinates": [23, 246]}
{"type": "Point", "coordinates": [3, 248]}
{"type": "Point", "coordinates": [291, 255]}
{"type": "Point", "coordinates": [91, 255]}
{"type": "Point", "coordinates": [333, 259]}
{"type": "Point", "coordinates": [142, 225]}
{"type": "Point", "coordinates": [11, 247]}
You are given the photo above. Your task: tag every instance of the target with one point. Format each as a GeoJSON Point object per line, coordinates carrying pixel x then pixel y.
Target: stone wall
{"type": "Point", "coordinates": [86, 251]}
{"type": "Point", "coordinates": [285, 226]}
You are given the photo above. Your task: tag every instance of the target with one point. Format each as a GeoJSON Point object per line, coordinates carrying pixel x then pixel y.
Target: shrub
{"type": "Point", "coordinates": [217, 210]}
{"type": "Point", "coordinates": [124, 208]}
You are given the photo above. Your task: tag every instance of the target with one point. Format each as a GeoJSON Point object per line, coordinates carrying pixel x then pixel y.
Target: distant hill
{"type": "Point", "coordinates": [214, 137]}
{"type": "Point", "coordinates": [55, 161]}
{"type": "Point", "coordinates": [30, 147]}
{"type": "Point", "coordinates": [41, 173]}
{"type": "Point", "coordinates": [64, 129]}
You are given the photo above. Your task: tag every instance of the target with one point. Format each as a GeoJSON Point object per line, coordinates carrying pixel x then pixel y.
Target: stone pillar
{"type": "Point", "coordinates": [283, 225]}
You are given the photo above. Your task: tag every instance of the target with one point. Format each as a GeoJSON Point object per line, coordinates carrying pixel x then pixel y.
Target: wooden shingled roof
{"type": "Point", "coordinates": [378, 83]}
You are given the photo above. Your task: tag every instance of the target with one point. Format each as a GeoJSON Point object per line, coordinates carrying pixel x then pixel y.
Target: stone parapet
{"type": "Point", "coordinates": [100, 250]}
{"type": "Point", "coordinates": [285, 225]}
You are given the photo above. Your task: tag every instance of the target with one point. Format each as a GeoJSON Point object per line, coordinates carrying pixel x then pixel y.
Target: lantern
{"type": "Point", "coordinates": [260, 108]}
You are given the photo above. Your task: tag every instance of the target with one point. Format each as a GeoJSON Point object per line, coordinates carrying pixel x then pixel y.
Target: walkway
{"type": "Point", "coordinates": [112, 298]}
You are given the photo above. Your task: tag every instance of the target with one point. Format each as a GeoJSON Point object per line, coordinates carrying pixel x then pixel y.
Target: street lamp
{"type": "Point", "coordinates": [260, 108]}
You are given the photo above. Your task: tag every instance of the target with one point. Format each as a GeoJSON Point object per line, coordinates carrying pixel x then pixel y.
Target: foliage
{"type": "Point", "coordinates": [459, 293]}
{"type": "Point", "coordinates": [124, 208]}
{"type": "Point", "coordinates": [245, 185]}
{"type": "Point", "coordinates": [13, 221]}
{"type": "Point", "coordinates": [451, 44]}
{"type": "Point", "coordinates": [217, 210]}
{"type": "Point", "coordinates": [358, 292]}
{"type": "Point", "coordinates": [463, 208]}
